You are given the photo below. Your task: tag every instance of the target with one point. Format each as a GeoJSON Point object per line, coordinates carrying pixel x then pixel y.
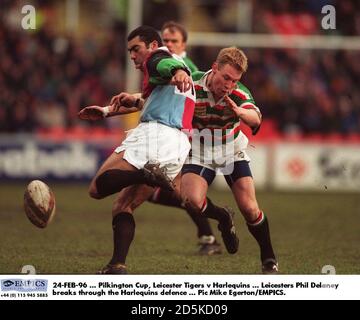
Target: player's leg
{"type": "Point", "coordinates": [114, 175]}
{"type": "Point", "coordinates": [144, 145]}
{"type": "Point", "coordinates": [194, 185]}
{"type": "Point", "coordinates": [173, 156]}
{"type": "Point", "coordinates": [207, 241]}
{"type": "Point", "coordinates": [123, 225]}
{"type": "Point", "coordinates": [242, 186]}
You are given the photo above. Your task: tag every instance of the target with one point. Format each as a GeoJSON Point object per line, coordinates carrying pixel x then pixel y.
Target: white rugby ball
{"type": "Point", "coordinates": [39, 203]}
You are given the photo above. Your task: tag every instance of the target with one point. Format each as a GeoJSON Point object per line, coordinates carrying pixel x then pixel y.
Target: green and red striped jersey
{"type": "Point", "coordinates": [211, 114]}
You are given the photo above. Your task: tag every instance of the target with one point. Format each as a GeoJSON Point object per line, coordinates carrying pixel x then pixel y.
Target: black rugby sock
{"type": "Point", "coordinates": [166, 198]}
{"type": "Point", "coordinates": [261, 232]}
{"type": "Point", "coordinates": [214, 212]}
{"type": "Point", "coordinates": [114, 180]}
{"type": "Point", "coordinates": [123, 231]}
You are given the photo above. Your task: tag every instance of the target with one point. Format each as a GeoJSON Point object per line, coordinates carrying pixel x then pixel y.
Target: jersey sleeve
{"type": "Point", "coordinates": [162, 67]}
{"type": "Point", "coordinates": [244, 99]}
{"type": "Point", "coordinates": [191, 64]}
{"type": "Point", "coordinates": [197, 75]}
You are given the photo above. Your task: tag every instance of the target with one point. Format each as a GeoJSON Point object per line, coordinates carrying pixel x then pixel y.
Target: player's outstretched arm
{"type": "Point", "coordinates": [127, 100]}
{"type": "Point", "coordinates": [122, 103]}
{"type": "Point", "coordinates": [169, 70]}
{"type": "Point", "coordinates": [249, 116]}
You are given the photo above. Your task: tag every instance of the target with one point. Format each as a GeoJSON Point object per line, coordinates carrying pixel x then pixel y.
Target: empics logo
{"type": "Point", "coordinates": [6, 283]}
{"type": "Point", "coordinates": [23, 285]}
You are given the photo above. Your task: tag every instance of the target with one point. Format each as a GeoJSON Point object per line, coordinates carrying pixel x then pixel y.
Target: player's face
{"type": "Point", "coordinates": [174, 41]}
{"type": "Point", "coordinates": [224, 79]}
{"type": "Point", "coordinates": [139, 51]}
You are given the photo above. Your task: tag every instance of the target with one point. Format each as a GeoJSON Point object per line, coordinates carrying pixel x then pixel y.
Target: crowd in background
{"type": "Point", "coordinates": [46, 77]}
{"type": "Point", "coordinates": [307, 91]}
{"type": "Point", "coordinates": [256, 16]}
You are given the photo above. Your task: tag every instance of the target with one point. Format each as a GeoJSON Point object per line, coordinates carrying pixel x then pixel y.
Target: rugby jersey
{"type": "Point", "coordinates": [191, 65]}
{"type": "Point", "coordinates": [211, 114]}
{"type": "Point", "coordinates": [165, 103]}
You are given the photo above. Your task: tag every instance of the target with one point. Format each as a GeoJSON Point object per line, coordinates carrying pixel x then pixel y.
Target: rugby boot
{"type": "Point", "coordinates": [117, 268]}
{"type": "Point", "coordinates": [157, 177]}
{"type": "Point", "coordinates": [228, 232]}
{"type": "Point", "coordinates": [270, 266]}
{"type": "Point", "coordinates": [209, 246]}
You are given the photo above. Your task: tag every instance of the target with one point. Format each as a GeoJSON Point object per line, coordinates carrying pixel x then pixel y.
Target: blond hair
{"type": "Point", "coordinates": [234, 57]}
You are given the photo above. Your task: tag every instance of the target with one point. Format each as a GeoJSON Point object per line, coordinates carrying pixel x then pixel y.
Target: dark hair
{"type": "Point", "coordinates": [146, 34]}
{"type": "Point", "coordinates": [174, 26]}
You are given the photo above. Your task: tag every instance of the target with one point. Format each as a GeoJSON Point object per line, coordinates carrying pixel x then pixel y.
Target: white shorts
{"type": "Point", "coordinates": [220, 157]}
{"type": "Point", "coordinates": [155, 142]}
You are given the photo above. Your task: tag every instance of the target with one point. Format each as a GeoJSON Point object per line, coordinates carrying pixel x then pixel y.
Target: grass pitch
{"type": "Point", "coordinates": [308, 232]}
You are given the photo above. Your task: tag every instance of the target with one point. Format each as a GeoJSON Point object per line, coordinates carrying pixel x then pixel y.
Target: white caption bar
{"type": "Point", "coordinates": [179, 287]}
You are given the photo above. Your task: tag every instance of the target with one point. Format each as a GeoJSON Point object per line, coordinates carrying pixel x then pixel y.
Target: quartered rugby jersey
{"type": "Point", "coordinates": [164, 102]}
{"type": "Point", "coordinates": [211, 114]}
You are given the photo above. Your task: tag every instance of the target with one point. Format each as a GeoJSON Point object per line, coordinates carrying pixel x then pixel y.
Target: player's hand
{"type": "Point", "coordinates": [123, 99]}
{"type": "Point", "coordinates": [181, 80]}
{"type": "Point", "coordinates": [91, 113]}
{"type": "Point", "coordinates": [250, 117]}
{"type": "Point", "coordinates": [232, 106]}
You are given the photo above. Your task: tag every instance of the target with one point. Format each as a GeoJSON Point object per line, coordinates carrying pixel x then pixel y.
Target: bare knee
{"type": "Point", "coordinates": [194, 204]}
{"type": "Point", "coordinates": [192, 200]}
{"type": "Point", "coordinates": [250, 211]}
{"type": "Point", "coordinates": [93, 192]}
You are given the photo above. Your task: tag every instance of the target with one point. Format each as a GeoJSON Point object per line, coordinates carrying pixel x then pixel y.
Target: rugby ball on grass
{"type": "Point", "coordinates": [39, 203]}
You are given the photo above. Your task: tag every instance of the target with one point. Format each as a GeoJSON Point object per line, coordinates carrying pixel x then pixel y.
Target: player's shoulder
{"type": "Point", "coordinates": [159, 54]}
{"type": "Point", "coordinates": [242, 88]}
{"type": "Point", "coordinates": [241, 92]}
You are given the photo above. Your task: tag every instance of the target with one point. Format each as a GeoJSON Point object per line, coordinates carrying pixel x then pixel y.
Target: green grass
{"type": "Point", "coordinates": [308, 232]}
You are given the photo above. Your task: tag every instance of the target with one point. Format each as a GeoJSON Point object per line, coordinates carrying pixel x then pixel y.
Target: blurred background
{"type": "Point", "coordinates": [304, 77]}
